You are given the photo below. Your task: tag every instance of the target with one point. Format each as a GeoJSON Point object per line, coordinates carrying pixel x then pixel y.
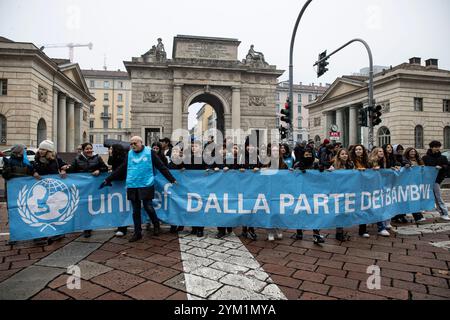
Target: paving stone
{"type": "Point", "coordinates": [118, 281]}
{"type": "Point", "coordinates": [113, 296]}
{"type": "Point", "coordinates": [245, 262]}
{"type": "Point", "coordinates": [232, 245]}
{"type": "Point", "coordinates": [217, 248]}
{"type": "Point", "coordinates": [97, 236]}
{"type": "Point", "coordinates": [162, 260]}
{"type": "Point", "coordinates": [178, 296]}
{"type": "Point", "coordinates": [308, 286]}
{"type": "Point", "coordinates": [90, 269]}
{"type": "Point", "coordinates": [272, 292]}
{"type": "Point", "coordinates": [347, 294]}
{"type": "Point", "coordinates": [432, 281]}
{"type": "Point", "coordinates": [314, 296]}
{"type": "Point", "coordinates": [69, 255]}
{"type": "Point", "coordinates": [331, 271]}
{"type": "Point", "coordinates": [439, 291]}
{"type": "Point", "coordinates": [244, 282]}
{"type": "Point", "coordinates": [259, 274]}
{"type": "Point", "coordinates": [218, 256]}
{"type": "Point", "coordinates": [26, 283]}
{"type": "Point", "coordinates": [130, 265]}
{"type": "Point", "coordinates": [114, 247]}
{"type": "Point", "coordinates": [199, 244]}
{"type": "Point", "coordinates": [385, 291]}
{"type": "Point", "coordinates": [150, 291]}
{"type": "Point", "coordinates": [309, 276]}
{"type": "Point", "coordinates": [101, 256]}
{"type": "Point", "coordinates": [277, 269]}
{"type": "Point", "coordinates": [239, 253]}
{"type": "Point", "coordinates": [138, 253]}
{"type": "Point", "coordinates": [200, 286]}
{"type": "Point", "coordinates": [285, 281]}
{"type": "Point", "coordinates": [48, 294]}
{"type": "Point", "coordinates": [233, 293]}
{"type": "Point", "coordinates": [209, 273]}
{"type": "Point", "coordinates": [200, 252]}
{"type": "Point", "coordinates": [229, 267]}
{"type": "Point", "coordinates": [410, 286]}
{"type": "Point", "coordinates": [342, 282]}
{"type": "Point", "coordinates": [87, 291]}
{"type": "Point", "coordinates": [159, 274]}
{"type": "Point", "coordinates": [178, 282]}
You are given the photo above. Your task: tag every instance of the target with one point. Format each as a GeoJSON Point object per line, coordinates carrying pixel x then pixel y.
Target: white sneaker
{"type": "Point", "coordinates": [421, 220]}
{"type": "Point", "coordinates": [270, 237]}
{"type": "Point", "coordinates": [279, 235]}
{"type": "Point", "coordinates": [388, 226]}
{"type": "Point", "coordinates": [384, 233]}
{"type": "Point", "coordinates": [365, 235]}
{"type": "Point", "coordinates": [446, 218]}
{"type": "Point", "coordinates": [119, 234]}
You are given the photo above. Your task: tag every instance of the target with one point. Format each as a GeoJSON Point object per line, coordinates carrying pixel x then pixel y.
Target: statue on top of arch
{"type": "Point", "coordinates": [255, 58]}
{"type": "Point", "coordinates": [156, 54]}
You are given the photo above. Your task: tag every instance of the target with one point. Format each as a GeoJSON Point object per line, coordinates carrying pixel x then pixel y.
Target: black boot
{"type": "Point", "coordinates": [173, 229]}
{"type": "Point", "coordinates": [220, 234]}
{"type": "Point", "coordinates": [251, 234]}
{"type": "Point", "coordinates": [135, 237]}
{"type": "Point", "coordinates": [298, 235]}
{"type": "Point", "coordinates": [87, 233]}
{"type": "Point", "coordinates": [156, 229]}
{"type": "Point", "coordinates": [318, 238]}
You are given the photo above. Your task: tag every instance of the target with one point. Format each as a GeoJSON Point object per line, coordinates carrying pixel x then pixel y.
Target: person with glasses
{"type": "Point", "coordinates": [139, 169]}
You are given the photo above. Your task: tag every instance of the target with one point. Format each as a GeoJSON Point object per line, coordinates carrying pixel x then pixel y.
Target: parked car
{"type": "Point", "coordinates": [447, 154]}
{"type": "Point", "coordinates": [31, 152]}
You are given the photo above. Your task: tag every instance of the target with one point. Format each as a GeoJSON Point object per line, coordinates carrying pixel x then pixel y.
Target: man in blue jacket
{"type": "Point", "coordinates": [139, 170]}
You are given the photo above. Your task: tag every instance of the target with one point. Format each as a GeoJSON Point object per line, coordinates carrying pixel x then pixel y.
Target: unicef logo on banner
{"type": "Point", "coordinates": [47, 203]}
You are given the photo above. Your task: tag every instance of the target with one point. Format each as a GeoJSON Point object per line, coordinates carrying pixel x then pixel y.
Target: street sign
{"type": "Point", "coordinates": [335, 134]}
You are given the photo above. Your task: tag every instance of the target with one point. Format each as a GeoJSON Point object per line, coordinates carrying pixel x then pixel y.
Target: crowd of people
{"type": "Point", "coordinates": [136, 166]}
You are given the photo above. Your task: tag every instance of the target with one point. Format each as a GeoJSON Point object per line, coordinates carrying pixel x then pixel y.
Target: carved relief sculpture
{"type": "Point", "coordinates": [42, 94]}
{"type": "Point", "coordinates": [153, 97]}
{"type": "Point", "coordinates": [257, 101]}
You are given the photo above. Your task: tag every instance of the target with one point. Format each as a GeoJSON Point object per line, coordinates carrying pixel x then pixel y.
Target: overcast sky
{"type": "Point", "coordinates": [395, 29]}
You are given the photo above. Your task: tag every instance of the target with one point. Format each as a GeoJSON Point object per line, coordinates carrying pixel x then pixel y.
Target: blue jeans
{"type": "Point", "coordinates": [440, 204]}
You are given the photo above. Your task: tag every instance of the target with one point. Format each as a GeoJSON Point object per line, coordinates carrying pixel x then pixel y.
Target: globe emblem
{"type": "Point", "coordinates": [48, 199]}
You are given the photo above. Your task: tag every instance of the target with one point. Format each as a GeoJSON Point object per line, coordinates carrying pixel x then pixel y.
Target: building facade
{"type": "Point", "coordinates": [206, 120]}
{"type": "Point", "coordinates": [110, 113]}
{"type": "Point", "coordinates": [303, 95]}
{"type": "Point", "coordinates": [41, 98]}
{"type": "Point", "coordinates": [415, 101]}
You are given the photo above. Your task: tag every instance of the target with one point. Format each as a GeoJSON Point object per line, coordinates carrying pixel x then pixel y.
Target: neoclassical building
{"type": "Point", "coordinates": [41, 98]}
{"type": "Point", "coordinates": [202, 69]}
{"type": "Point", "coordinates": [415, 102]}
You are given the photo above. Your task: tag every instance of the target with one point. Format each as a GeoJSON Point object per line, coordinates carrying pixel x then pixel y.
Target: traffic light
{"type": "Point", "coordinates": [376, 115]}
{"type": "Point", "coordinates": [286, 113]}
{"type": "Point", "coordinates": [362, 119]}
{"type": "Point", "coordinates": [283, 133]}
{"type": "Point", "coordinates": [321, 68]}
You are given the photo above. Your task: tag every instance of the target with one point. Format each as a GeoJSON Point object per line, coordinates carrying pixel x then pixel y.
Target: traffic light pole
{"type": "Point", "coordinates": [371, 104]}
{"type": "Point", "coordinates": [291, 72]}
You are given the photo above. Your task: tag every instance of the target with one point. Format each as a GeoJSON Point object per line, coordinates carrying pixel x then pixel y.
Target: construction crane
{"type": "Point", "coordinates": [68, 45]}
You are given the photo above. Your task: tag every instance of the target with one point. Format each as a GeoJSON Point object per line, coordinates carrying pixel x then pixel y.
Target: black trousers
{"type": "Point", "coordinates": [148, 207]}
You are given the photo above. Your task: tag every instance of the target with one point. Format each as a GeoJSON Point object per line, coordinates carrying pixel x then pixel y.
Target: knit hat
{"type": "Point", "coordinates": [326, 141]}
{"type": "Point", "coordinates": [47, 145]}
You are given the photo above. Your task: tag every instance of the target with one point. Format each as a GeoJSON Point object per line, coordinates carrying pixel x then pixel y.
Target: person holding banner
{"type": "Point", "coordinates": [88, 162]}
{"type": "Point", "coordinates": [307, 161]}
{"type": "Point", "coordinates": [434, 158]}
{"type": "Point", "coordinates": [17, 165]}
{"type": "Point", "coordinates": [176, 163]}
{"type": "Point", "coordinates": [342, 162]}
{"type": "Point", "coordinates": [286, 155]}
{"type": "Point", "coordinates": [139, 169]}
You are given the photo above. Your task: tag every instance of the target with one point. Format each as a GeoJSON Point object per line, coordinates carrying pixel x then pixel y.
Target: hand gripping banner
{"type": "Point", "coordinates": [266, 199]}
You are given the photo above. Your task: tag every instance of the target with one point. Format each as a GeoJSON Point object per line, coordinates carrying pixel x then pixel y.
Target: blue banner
{"type": "Point", "coordinates": [267, 199]}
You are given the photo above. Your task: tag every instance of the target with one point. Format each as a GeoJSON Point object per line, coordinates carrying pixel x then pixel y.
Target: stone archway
{"type": "Point", "coordinates": [41, 131]}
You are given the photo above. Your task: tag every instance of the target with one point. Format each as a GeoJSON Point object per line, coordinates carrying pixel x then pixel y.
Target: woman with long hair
{"type": "Point", "coordinates": [411, 158]}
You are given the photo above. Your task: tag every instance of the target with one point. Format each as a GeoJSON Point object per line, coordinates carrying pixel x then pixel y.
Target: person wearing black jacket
{"type": "Point", "coordinates": [88, 162]}
{"type": "Point", "coordinates": [327, 156]}
{"type": "Point", "coordinates": [140, 182]}
{"type": "Point", "coordinates": [434, 158]}
{"type": "Point", "coordinates": [176, 163]}
{"type": "Point", "coordinates": [116, 158]}
{"type": "Point", "coordinates": [157, 147]}
{"type": "Point", "coordinates": [196, 162]}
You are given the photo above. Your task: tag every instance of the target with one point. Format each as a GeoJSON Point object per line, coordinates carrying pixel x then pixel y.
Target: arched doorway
{"type": "Point", "coordinates": [41, 131]}
{"type": "Point", "coordinates": [84, 137]}
{"type": "Point", "coordinates": [208, 111]}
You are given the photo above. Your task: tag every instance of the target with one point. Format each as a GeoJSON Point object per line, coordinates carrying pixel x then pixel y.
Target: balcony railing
{"type": "Point", "coordinates": [105, 115]}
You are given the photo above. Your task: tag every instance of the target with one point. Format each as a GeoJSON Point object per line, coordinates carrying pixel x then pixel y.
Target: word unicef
{"type": "Point", "coordinates": [284, 199]}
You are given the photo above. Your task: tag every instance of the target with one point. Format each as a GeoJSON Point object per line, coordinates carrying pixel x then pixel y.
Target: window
{"type": "Point", "coordinates": [105, 110]}
{"type": "Point", "coordinates": [446, 105]}
{"type": "Point", "coordinates": [317, 122]}
{"type": "Point", "coordinates": [299, 99]}
{"type": "Point", "coordinates": [92, 83]}
{"type": "Point", "coordinates": [299, 110]}
{"type": "Point", "coordinates": [119, 110]}
{"type": "Point", "coordinates": [418, 137]}
{"type": "Point", "coordinates": [384, 136]}
{"type": "Point", "coordinates": [105, 124]}
{"type": "Point", "coordinates": [418, 104]}
{"type": "Point", "coordinates": [91, 124]}
{"type": "Point", "coordinates": [119, 97]}
{"type": "Point", "coordinates": [106, 96]}
{"type": "Point", "coordinates": [91, 138]}
{"type": "Point", "coordinates": [119, 137]}
{"type": "Point", "coordinates": [85, 115]}
{"type": "Point", "coordinates": [119, 124]}
{"type": "Point", "coordinates": [447, 138]}
{"type": "Point", "coordinates": [3, 87]}
{"type": "Point", "coordinates": [277, 97]}
{"type": "Point", "coordinates": [2, 129]}
{"type": "Point", "coordinates": [277, 123]}
{"type": "Point", "coordinates": [105, 137]}
{"type": "Point", "coordinates": [91, 109]}
{"type": "Point", "coordinates": [310, 97]}
{"type": "Point", "coordinates": [120, 84]}
{"type": "Point", "coordinates": [299, 122]}
{"type": "Point", "coordinates": [106, 84]}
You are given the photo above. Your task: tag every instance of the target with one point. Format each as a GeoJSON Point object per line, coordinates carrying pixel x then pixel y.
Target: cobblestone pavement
{"type": "Point", "coordinates": [414, 263]}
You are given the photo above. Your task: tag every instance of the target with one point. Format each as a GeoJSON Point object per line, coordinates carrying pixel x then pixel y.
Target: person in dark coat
{"type": "Point", "coordinates": [139, 169]}
{"type": "Point", "coordinates": [88, 162]}
{"type": "Point", "coordinates": [434, 158]}
{"type": "Point", "coordinates": [157, 147]}
{"type": "Point", "coordinates": [391, 160]}
{"type": "Point", "coordinates": [46, 162]}
{"type": "Point", "coordinates": [327, 156]}
{"type": "Point", "coordinates": [116, 158]}
{"type": "Point", "coordinates": [17, 165]}
{"type": "Point", "coordinates": [176, 163]}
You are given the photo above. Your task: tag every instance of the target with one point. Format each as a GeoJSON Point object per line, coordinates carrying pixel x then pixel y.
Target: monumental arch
{"type": "Point", "coordinates": [202, 69]}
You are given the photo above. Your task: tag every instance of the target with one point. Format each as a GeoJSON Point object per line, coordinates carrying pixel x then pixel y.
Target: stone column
{"type": "Point", "coordinates": [70, 138]}
{"type": "Point", "coordinates": [340, 123]}
{"type": "Point", "coordinates": [328, 123]}
{"type": "Point", "coordinates": [62, 123]}
{"type": "Point", "coordinates": [78, 121]}
{"type": "Point", "coordinates": [55, 119]}
{"type": "Point", "coordinates": [353, 125]}
{"type": "Point", "coordinates": [177, 108]}
{"type": "Point", "coordinates": [236, 108]}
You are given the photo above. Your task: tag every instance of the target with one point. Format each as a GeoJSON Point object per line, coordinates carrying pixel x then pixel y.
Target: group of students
{"type": "Point", "coordinates": [164, 156]}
